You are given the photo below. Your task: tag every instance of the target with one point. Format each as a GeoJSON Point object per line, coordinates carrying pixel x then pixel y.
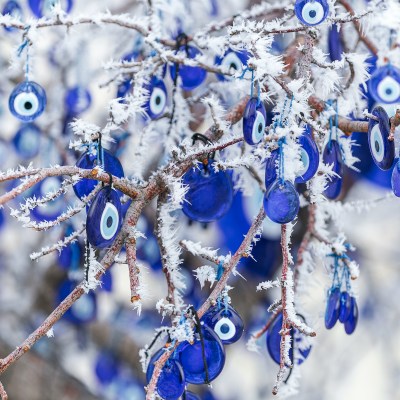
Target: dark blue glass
{"type": "Point", "coordinates": [13, 9]}
{"type": "Point", "coordinates": [27, 101]}
{"type": "Point", "coordinates": [191, 357]}
{"type": "Point", "coordinates": [2, 218]}
{"type": "Point", "coordinates": [83, 310]}
{"type": "Point", "coordinates": [332, 156]}
{"type": "Point", "coordinates": [124, 88]}
{"type": "Point", "coordinates": [396, 179]}
{"type": "Point", "coordinates": [281, 202]}
{"type": "Point", "coordinates": [232, 61]}
{"type": "Point", "coordinates": [270, 169]}
{"type": "Point", "coordinates": [88, 161]}
{"type": "Point", "coordinates": [351, 323]}
{"type": "Point", "coordinates": [190, 396]}
{"type": "Point", "coordinates": [210, 193]}
{"type": "Point", "coordinates": [384, 84]}
{"type": "Point", "coordinates": [382, 149]}
{"type": "Point", "coordinates": [309, 157]}
{"type": "Point", "coordinates": [335, 43]}
{"type": "Point", "coordinates": [27, 141]}
{"type": "Point", "coordinates": [70, 256]}
{"type": "Point", "coordinates": [191, 77]}
{"type": "Point", "coordinates": [171, 382]}
{"type": "Point", "coordinates": [345, 307]}
{"type": "Point", "coordinates": [43, 7]}
{"type": "Point", "coordinates": [311, 12]}
{"type": "Point", "coordinates": [104, 218]}
{"type": "Point", "coordinates": [77, 100]}
{"type": "Point", "coordinates": [273, 340]}
{"type": "Point", "coordinates": [106, 368]}
{"type": "Point", "coordinates": [157, 101]}
{"type": "Point", "coordinates": [226, 323]}
{"type": "Point", "coordinates": [332, 308]}
{"type": "Point", "coordinates": [254, 120]}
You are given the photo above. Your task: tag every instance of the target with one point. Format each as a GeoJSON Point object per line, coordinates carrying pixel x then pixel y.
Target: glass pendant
{"type": "Point", "coordinates": [351, 323]}
{"type": "Point", "coordinates": [157, 101]}
{"type": "Point", "coordinates": [332, 156]}
{"type": "Point", "coordinates": [395, 181]}
{"type": "Point", "coordinates": [311, 12]}
{"type": "Point", "coordinates": [106, 368]}
{"type": "Point", "coordinates": [384, 85]}
{"type": "Point", "coordinates": [345, 307]}
{"type": "Point", "coordinates": [332, 308]}
{"type": "Point", "coordinates": [232, 61]}
{"type": "Point", "coordinates": [335, 43]}
{"type": "Point", "coordinates": [309, 157]}
{"type": "Point", "coordinates": [270, 169]}
{"type": "Point", "coordinates": [254, 120]}
{"type": "Point", "coordinates": [77, 100]}
{"type": "Point", "coordinates": [27, 141]}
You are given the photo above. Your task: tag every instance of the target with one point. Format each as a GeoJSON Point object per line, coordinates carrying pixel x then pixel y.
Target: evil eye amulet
{"type": "Point", "coordinates": [384, 85]}
{"type": "Point", "coordinates": [332, 156]}
{"type": "Point", "coordinates": [191, 77]}
{"type": "Point", "coordinates": [382, 149]}
{"type": "Point", "coordinates": [27, 101]}
{"type": "Point", "coordinates": [88, 161]}
{"type": "Point", "coordinates": [270, 169]}
{"type": "Point", "coordinates": [311, 12]}
{"type": "Point", "coordinates": [254, 119]}
{"type": "Point", "coordinates": [104, 218]}
{"type": "Point", "coordinates": [233, 62]}
{"type": "Point", "coordinates": [281, 202]}
{"type": "Point", "coordinates": [273, 340]}
{"type": "Point", "coordinates": [351, 323]}
{"type": "Point", "coordinates": [226, 322]}
{"type": "Point", "coordinates": [332, 308]}
{"type": "Point", "coordinates": [191, 357]}
{"type": "Point", "coordinates": [309, 157]}
{"type": "Point", "coordinates": [77, 100]}
{"type": "Point", "coordinates": [157, 101]}
{"type": "Point", "coordinates": [395, 181]}
{"type": "Point", "coordinates": [210, 193]}
{"type": "Point", "coordinates": [27, 141]}
{"type": "Point", "coordinates": [43, 7]}
{"type": "Point", "coordinates": [335, 43]}
{"type": "Point", "coordinates": [13, 9]}
{"type": "Point", "coordinates": [171, 382]}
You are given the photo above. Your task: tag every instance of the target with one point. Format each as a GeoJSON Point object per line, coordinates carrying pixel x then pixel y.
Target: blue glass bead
{"type": "Point", "coordinates": [157, 101]}
{"type": "Point", "coordinates": [43, 7]}
{"type": "Point", "coordinates": [106, 368]}
{"type": "Point", "coordinates": [332, 308]}
{"type": "Point", "coordinates": [270, 169]}
{"type": "Point", "coordinates": [345, 307]}
{"type": "Point", "coordinates": [27, 141]}
{"type": "Point", "coordinates": [332, 156]}
{"type": "Point", "coordinates": [88, 161]}
{"type": "Point", "coordinates": [335, 43]}
{"type": "Point", "coordinates": [232, 61]}
{"type": "Point", "coordinates": [309, 157]}
{"type": "Point", "coordinates": [210, 193]}
{"type": "Point", "coordinates": [191, 77]}
{"type": "Point", "coordinates": [104, 218]}
{"type": "Point", "coordinates": [191, 357]}
{"type": "Point", "coordinates": [254, 119]}
{"type": "Point", "coordinates": [273, 340]}
{"type": "Point", "coordinates": [77, 100]}
{"type": "Point", "coordinates": [281, 202]}
{"type": "Point", "coordinates": [226, 323]}
{"type": "Point", "coordinates": [2, 218]}
{"type": "Point", "coordinates": [395, 181]}
{"type": "Point", "coordinates": [351, 323]}
{"type": "Point", "coordinates": [27, 101]}
{"type": "Point", "coordinates": [382, 149]}
{"type": "Point", "coordinates": [124, 88]}
{"type": "Point", "coordinates": [311, 12]}
{"type": "Point", "coordinates": [53, 208]}
{"type": "Point", "coordinates": [84, 310]}
{"type": "Point", "coordinates": [384, 85]}
{"type": "Point", "coordinates": [13, 9]}
{"type": "Point", "coordinates": [171, 382]}
{"type": "Point", "coordinates": [190, 396]}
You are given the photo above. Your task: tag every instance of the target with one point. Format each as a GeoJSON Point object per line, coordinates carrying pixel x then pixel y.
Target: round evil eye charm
{"type": "Point", "coordinates": [13, 9]}
{"type": "Point", "coordinates": [77, 100]}
{"type": "Point", "coordinates": [332, 156]}
{"type": "Point", "coordinates": [157, 101]}
{"type": "Point", "coordinates": [42, 8]}
{"type": "Point", "coordinates": [384, 85]}
{"type": "Point", "coordinates": [104, 218]}
{"type": "Point", "coordinates": [281, 202]}
{"type": "Point", "coordinates": [254, 120]}
{"type": "Point", "coordinates": [191, 77]}
{"type": "Point", "coordinates": [210, 193]}
{"type": "Point", "coordinates": [27, 141]}
{"type": "Point", "coordinates": [311, 12]}
{"type": "Point", "coordinates": [382, 149]}
{"type": "Point", "coordinates": [232, 61]}
{"type": "Point", "coordinates": [226, 322]}
{"type": "Point", "coordinates": [27, 101]}
{"type": "Point", "coordinates": [309, 156]}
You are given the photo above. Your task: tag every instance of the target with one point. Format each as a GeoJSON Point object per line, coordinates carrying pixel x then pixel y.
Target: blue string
{"type": "Point", "coordinates": [220, 271]}
{"type": "Point", "coordinates": [281, 142]}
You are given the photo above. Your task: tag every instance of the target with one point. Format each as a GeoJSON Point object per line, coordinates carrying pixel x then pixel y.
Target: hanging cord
{"type": "Point", "coordinates": [100, 152]}
{"type": "Point", "coordinates": [87, 261]}
{"type": "Point", "coordinates": [203, 350]}
{"type": "Point", "coordinates": [281, 171]}
{"type": "Point", "coordinates": [25, 45]}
